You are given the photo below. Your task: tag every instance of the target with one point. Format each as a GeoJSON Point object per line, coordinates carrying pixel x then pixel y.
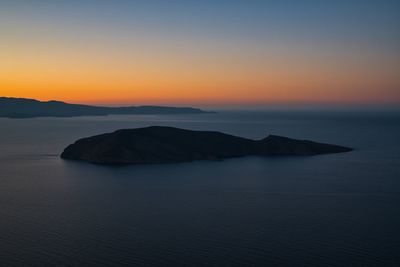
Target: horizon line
{"type": "Point", "coordinates": [234, 105]}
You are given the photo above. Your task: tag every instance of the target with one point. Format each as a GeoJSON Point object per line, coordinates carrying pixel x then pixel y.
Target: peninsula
{"type": "Point", "coordinates": [30, 108]}
{"type": "Point", "coordinates": [160, 144]}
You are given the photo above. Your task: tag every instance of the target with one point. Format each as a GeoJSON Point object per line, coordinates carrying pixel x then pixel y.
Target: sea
{"type": "Point", "coordinates": [327, 210]}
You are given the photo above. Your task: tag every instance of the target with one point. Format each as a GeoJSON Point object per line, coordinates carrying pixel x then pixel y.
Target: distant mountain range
{"type": "Point", "coordinates": [30, 108]}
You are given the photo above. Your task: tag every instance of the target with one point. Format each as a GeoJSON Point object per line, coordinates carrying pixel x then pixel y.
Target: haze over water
{"type": "Point", "coordinates": [328, 210]}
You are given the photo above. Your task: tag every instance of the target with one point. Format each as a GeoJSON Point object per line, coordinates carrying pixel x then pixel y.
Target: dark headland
{"type": "Point", "coordinates": [30, 108]}
{"type": "Point", "coordinates": [159, 144]}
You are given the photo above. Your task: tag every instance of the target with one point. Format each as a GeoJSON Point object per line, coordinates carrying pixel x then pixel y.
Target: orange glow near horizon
{"type": "Point", "coordinates": [173, 79]}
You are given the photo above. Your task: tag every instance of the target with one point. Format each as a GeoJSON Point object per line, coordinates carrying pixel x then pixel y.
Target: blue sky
{"type": "Point", "coordinates": [340, 33]}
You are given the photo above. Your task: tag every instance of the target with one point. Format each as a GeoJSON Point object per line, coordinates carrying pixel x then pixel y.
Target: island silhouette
{"type": "Point", "coordinates": [30, 108]}
{"type": "Point", "coordinates": [160, 144]}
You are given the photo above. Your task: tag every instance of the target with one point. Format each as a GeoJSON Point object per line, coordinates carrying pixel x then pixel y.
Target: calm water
{"type": "Point", "coordinates": [330, 210]}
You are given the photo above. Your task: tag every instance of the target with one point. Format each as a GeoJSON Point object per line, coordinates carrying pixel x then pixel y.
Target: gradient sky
{"type": "Point", "coordinates": [201, 52]}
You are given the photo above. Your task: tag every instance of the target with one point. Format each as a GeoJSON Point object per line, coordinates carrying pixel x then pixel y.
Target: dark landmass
{"type": "Point", "coordinates": [30, 108]}
{"type": "Point", "coordinates": [158, 144]}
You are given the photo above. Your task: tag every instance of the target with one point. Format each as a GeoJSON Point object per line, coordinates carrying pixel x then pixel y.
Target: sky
{"type": "Point", "coordinates": [227, 53]}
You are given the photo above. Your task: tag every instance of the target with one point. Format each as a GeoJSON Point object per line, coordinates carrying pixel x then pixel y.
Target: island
{"type": "Point", "coordinates": [30, 108]}
{"type": "Point", "coordinates": [161, 144]}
